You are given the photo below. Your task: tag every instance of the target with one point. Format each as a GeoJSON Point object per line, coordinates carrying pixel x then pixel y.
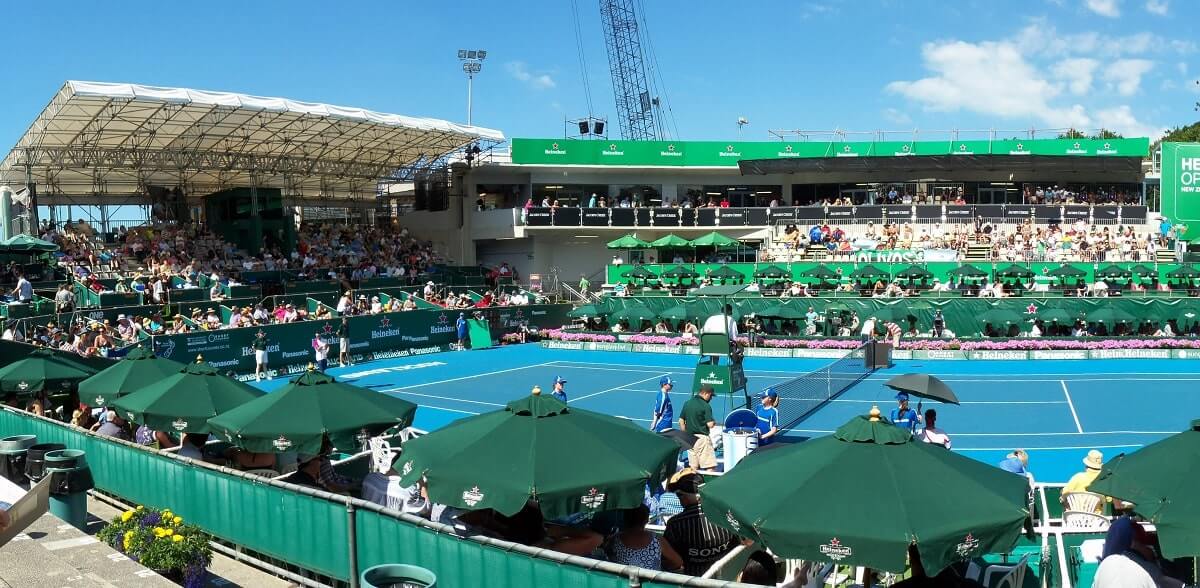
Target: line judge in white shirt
{"type": "Point", "coordinates": [932, 434]}
{"type": "Point", "coordinates": [726, 325]}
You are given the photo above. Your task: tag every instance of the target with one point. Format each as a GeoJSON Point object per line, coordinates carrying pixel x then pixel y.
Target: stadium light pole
{"type": "Point", "coordinates": [472, 63]}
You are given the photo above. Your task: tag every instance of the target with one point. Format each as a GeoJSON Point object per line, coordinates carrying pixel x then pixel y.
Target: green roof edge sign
{"type": "Point", "coordinates": [729, 153]}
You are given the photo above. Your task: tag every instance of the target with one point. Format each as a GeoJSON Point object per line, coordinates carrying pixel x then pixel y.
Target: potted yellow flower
{"type": "Point", "coordinates": [163, 542]}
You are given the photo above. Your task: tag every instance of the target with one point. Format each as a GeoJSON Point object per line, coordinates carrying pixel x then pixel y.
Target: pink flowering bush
{"type": "Point", "coordinates": [1048, 344]}
{"type": "Point", "coordinates": [561, 335]}
{"type": "Point", "coordinates": [655, 340]}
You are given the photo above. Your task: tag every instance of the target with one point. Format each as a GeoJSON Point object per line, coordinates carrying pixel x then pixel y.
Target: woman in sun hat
{"type": "Point", "coordinates": [1080, 481]}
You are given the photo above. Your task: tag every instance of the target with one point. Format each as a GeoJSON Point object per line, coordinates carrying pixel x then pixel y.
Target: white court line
{"type": "Point", "coordinates": [659, 375]}
{"type": "Point", "coordinates": [431, 407]}
{"type": "Point", "coordinates": [1054, 434]}
{"type": "Point", "coordinates": [1071, 447]}
{"type": "Point", "coordinates": [1021, 378]}
{"type": "Point", "coordinates": [676, 367]}
{"type": "Point", "coordinates": [403, 391]}
{"type": "Point", "coordinates": [1074, 414]}
{"type": "Point", "coordinates": [524, 367]}
{"type": "Point", "coordinates": [982, 375]}
{"type": "Point", "coordinates": [878, 401]}
{"type": "Point", "coordinates": [671, 370]}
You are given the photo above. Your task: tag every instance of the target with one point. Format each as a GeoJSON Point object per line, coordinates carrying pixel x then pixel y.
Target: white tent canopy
{"type": "Point", "coordinates": [118, 139]}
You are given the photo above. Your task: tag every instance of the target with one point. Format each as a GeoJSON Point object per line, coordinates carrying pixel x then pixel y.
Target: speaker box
{"type": "Point", "coordinates": [598, 127]}
{"type": "Point", "coordinates": [583, 127]}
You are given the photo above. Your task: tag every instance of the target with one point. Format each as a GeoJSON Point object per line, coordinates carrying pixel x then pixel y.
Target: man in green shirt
{"type": "Point", "coordinates": [584, 284]}
{"type": "Point", "coordinates": [696, 418]}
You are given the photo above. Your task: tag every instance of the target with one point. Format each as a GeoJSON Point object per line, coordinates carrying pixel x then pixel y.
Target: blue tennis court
{"type": "Point", "coordinates": [1056, 410]}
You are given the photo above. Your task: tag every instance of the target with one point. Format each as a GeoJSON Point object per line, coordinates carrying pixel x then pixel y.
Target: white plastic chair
{"type": "Point", "coordinates": [381, 455]}
{"type": "Point", "coordinates": [1074, 520]}
{"type": "Point", "coordinates": [1083, 501]}
{"type": "Point", "coordinates": [1013, 575]}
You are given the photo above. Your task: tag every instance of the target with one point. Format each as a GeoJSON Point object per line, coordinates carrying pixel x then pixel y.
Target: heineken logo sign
{"type": "Point", "coordinates": [1077, 149]}
{"type": "Point", "coordinates": [612, 150]}
{"type": "Point", "coordinates": [282, 443]}
{"type": "Point", "coordinates": [729, 152]}
{"type": "Point", "coordinates": [712, 379]}
{"type": "Point", "coordinates": [594, 499]}
{"type": "Point", "coordinates": [328, 328]}
{"type": "Point", "coordinates": [472, 497]}
{"type": "Point", "coordinates": [179, 425]}
{"type": "Point", "coordinates": [443, 325]}
{"type": "Point", "coordinates": [968, 546]}
{"type": "Point", "coordinates": [671, 152]}
{"type": "Point", "coordinates": [554, 150]}
{"type": "Point", "coordinates": [734, 524]}
{"type": "Point", "coordinates": [100, 400]}
{"type": "Point", "coordinates": [407, 469]}
{"type": "Point", "coordinates": [23, 385]}
{"type": "Point", "coordinates": [835, 550]}
{"type": "Point", "coordinates": [1020, 150]}
{"type": "Point", "coordinates": [788, 151]}
{"type": "Point", "coordinates": [384, 329]}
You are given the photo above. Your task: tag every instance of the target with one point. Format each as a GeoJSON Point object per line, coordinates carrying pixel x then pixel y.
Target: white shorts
{"type": "Point", "coordinates": [344, 345]}
{"type": "Point", "coordinates": [260, 356]}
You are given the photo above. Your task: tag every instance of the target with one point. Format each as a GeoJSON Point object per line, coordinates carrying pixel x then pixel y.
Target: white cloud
{"type": "Point", "coordinates": [1077, 73]}
{"type": "Point", "coordinates": [1121, 120]}
{"type": "Point", "coordinates": [1041, 39]}
{"type": "Point", "coordinates": [1109, 8]}
{"type": "Point", "coordinates": [1158, 7]}
{"type": "Point", "coordinates": [1183, 47]}
{"type": "Point", "coordinates": [1125, 75]}
{"type": "Point", "coordinates": [520, 71]}
{"type": "Point", "coordinates": [896, 116]}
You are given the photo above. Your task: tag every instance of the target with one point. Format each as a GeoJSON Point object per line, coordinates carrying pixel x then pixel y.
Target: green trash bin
{"type": "Point", "coordinates": [398, 576]}
{"type": "Point", "coordinates": [70, 479]}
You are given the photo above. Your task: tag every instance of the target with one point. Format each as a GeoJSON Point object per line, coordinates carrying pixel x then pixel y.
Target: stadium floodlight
{"type": "Point", "coordinates": [472, 64]}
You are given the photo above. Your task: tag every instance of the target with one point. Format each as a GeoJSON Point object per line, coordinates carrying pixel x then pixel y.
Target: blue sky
{"type": "Point", "coordinates": [860, 65]}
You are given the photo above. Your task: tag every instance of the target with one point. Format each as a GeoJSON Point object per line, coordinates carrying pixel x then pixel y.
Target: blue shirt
{"type": "Point", "coordinates": [664, 414]}
{"type": "Point", "coordinates": [461, 325]}
{"type": "Point", "coordinates": [768, 418]}
{"type": "Point", "coordinates": [906, 418]}
{"type": "Point", "coordinates": [560, 394]}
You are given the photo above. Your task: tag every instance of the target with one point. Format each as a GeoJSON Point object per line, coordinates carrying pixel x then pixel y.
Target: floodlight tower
{"type": "Point", "coordinates": [626, 63]}
{"type": "Point", "coordinates": [472, 63]}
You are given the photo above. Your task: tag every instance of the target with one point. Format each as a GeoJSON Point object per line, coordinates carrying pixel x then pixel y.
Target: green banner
{"type": "Point", "coordinates": [727, 154]}
{"type": "Point", "coordinates": [1181, 182]}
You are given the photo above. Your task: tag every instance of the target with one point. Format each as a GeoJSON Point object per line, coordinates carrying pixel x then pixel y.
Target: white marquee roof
{"type": "Point", "coordinates": [116, 139]}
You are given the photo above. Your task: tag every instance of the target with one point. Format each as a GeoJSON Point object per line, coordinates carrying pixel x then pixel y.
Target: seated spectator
{"type": "Point", "coordinates": [114, 426]}
{"type": "Point", "coordinates": [636, 546]}
{"type": "Point", "coordinates": [932, 434]}
{"type": "Point", "coordinates": [1016, 462]}
{"type": "Point", "coordinates": [309, 471]}
{"type": "Point", "coordinates": [690, 533]}
{"type": "Point", "coordinates": [760, 570]}
{"type": "Point", "coordinates": [1129, 560]}
{"type": "Point", "coordinates": [1080, 481]}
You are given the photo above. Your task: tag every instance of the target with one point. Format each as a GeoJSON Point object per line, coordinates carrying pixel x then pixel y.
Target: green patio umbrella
{"type": "Point", "coordinates": [726, 273]}
{"type": "Point", "coordinates": [783, 310]}
{"type": "Point", "coordinates": [309, 408]}
{"type": "Point", "coordinates": [862, 495]}
{"type": "Point", "coordinates": [1067, 271]}
{"type": "Point", "coordinates": [1055, 315]}
{"type": "Point", "coordinates": [1161, 480]}
{"type": "Point", "coordinates": [139, 368]}
{"type": "Point", "coordinates": [1000, 316]}
{"type": "Point", "coordinates": [26, 244]}
{"type": "Point", "coordinates": [923, 386]}
{"type": "Point", "coordinates": [571, 460]}
{"type": "Point", "coordinates": [628, 242]}
{"type": "Point", "coordinates": [1113, 271]}
{"type": "Point", "coordinates": [1183, 271]}
{"type": "Point", "coordinates": [869, 271]}
{"type": "Point", "coordinates": [714, 239]}
{"type": "Point", "coordinates": [914, 272]}
{"type": "Point", "coordinates": [1110, 315]}
{"type": "Point", "coordinates": [638, 272]}
{"type": "Point", "coordinates": [1143, 270]}
{"type": "Point", "coordinates": [820, 272]}
{"type": "Point", "coordinates": [1187, 316]}
{"type": "Point", "coordinates": [186, 400]}
{"type": "Point", "coordinates": [678, 312]}
{"type": "Point", "coordinates": [772, 272]}
{"type": "Point", "coordinates": [967, 271]}
{"type": "Point", "coordinates": [634, 312]}
{"type": "Point", "coordinates": [43, 370]}
{"type": "Point", "coordinates": [671, 241]}
{"type": "Point", "coordinates": [584, 311]}
{"type": "Point", "coordinates": [680, 272]}
{"type": "Point", "coordinates": [1015, 271]}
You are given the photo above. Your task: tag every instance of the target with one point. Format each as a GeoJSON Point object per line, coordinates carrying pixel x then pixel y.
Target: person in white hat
{"type": "Point", "coordinates": [1080, 482]}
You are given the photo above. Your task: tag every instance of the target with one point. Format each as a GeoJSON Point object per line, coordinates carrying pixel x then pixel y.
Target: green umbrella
{"type": "Point", "coordinates": [678, 312]}
{"type": "Point", "coordinates": [895, 313]}
{"type": "Point", "coordinates": [308, 409]}
{"type": "Point", "coordinates": [628, 242]}
{"type": "Point", "coordinates": [1110, 315]}
{"type": "Point", "coordinates": [772, 271]}
{"type": "Point", "coordinates": [1143, 270]}
{"type": "Point", "coordinates": [1113, 271]}
{"type": "Point", "coordinates": [186, 400]}
{"type": "Point", "coordinates": [634, 312]}
{"type": "Point", "coordinates": [726, 273]}
{"type": "Point", "coordinates": [571, 460]}
{"type": "Point", "coordinates": [680, 272]}
{"type": "Point", "coordinates": [783, 310]}
{"type": "Point", "coordinates": [1187, 316]}
{"type": "Point", "coordinates": [820, 272]}
{"type": "Point", "coordinates": [923, 386]}
{"type": "Point", "coordinates": [671, 241]}
{"type": "Point", "coordinates": [26, 243]}
{"type": "Point", "coordinates": [638, 272]}
{"type": "Point", "coordinates": [1055, 315]}
{"type": "Point", "coordinates": [1015, 271]}
{"type": "Point", "coordinates": [998, 316]}
{"type": "Point", "coordinates": [967, 271]}
{"type": "Point", "coordinates": [868, 271]}
{"type": "Point", "coordinates": [714, 239]}
{"type": "Point", "coordinates": [1183, 271]}
{"type": "Point", "coordinates": [1161, 480]}
{"type": "Point", "coordinates": [42, 370]}
{"type": "Point", "coordinates": [837, 307]}
{"type": "Point", "coordinates": [585, 311]}
{"type": "Point", "coordinates": [138, 369]}
{"type": "Point", "coordinates": [1067, 271]}
{"type": "Point", "coordinates": [861, 496]}
{"type": "Point", "coordinates": [914, 272]}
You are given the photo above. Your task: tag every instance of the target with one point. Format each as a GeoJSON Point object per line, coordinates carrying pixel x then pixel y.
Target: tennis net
{"type": "Point", "coordinates": [802, 396]}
